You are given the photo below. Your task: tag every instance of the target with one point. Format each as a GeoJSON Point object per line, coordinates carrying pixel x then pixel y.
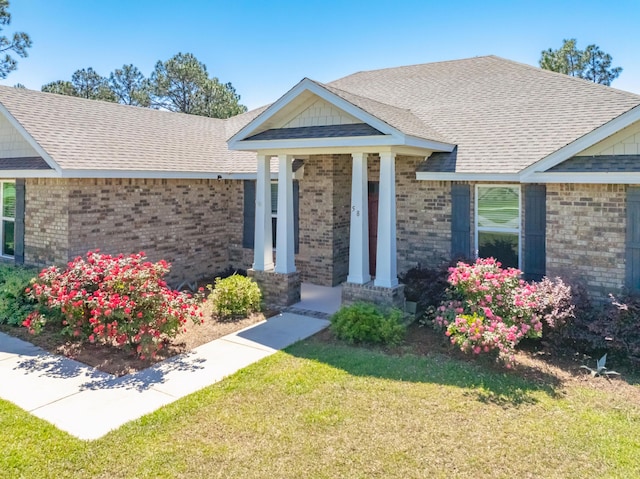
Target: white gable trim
{"type": "Point", "coordinates": [391, 136]}
{"type": "Point", "coordinates": [29, 139]}
{"type": "Point", "coordinates": [435, 176]}
{"type": "Point", "coordinates": [582, 143]}
{"type": "Point", "coordinates": [622, 178]}
{"type": "Point", "coordinates": [29, 174]}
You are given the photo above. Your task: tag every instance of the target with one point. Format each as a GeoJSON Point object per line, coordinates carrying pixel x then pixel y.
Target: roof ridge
{"type": "Point", "coordinates": [415, 65]}
{"type": "Point", "coordinates": [405, 110]}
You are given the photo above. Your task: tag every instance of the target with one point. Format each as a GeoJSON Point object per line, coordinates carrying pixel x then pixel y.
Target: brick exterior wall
{"type": "Point", "coordinates": [423, 217]}
{"type": "Point", "coordinates": [186, 222]}
{"type": "Point", "coordinates": [586, 227]}
{"type": "Point", "coordinates": [325, 198]}
{"type": "Point", "coordinates": [278, 290]}
{"type": "Point", "coordinates": [46, 239]}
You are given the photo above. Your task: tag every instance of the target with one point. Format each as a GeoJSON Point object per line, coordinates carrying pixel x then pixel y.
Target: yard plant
{"type": "Point", "coordinates": [234, 297]}
{"type": "Point", "coordinates": [113, 299]}
{"type": "Point", "coordinates": [367, 323]}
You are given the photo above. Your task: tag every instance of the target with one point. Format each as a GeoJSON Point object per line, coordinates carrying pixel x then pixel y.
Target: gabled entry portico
{"type": "Point", "coordinates": [324, 127]}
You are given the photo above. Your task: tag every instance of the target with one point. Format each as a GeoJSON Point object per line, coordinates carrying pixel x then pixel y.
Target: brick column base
{"type": "Point", "coordinates": [278, 290]}
{"type": "Point", "coordinates": [368, 293]}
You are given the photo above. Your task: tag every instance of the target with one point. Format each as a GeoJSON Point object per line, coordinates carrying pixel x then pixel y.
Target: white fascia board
{"type": "Point", "coordinates": [343, 141]}
{"type": "Point", "coordinates": [237, 142]}
{"type": "Point", "coordinates": [29, 174]}
{"type": "Point", "coordinates": [166, 175]}
{"type": "Point", "coordinates": [621, 178]}
{"type": "Point", "coordinates": [193, 175]}
{"type": "Point", "coordinates": [432, 176]}
{"type": "Point", "coordinates": [428, 144]}
{"type": "Point", "coordinates": [584, 142]}
{"type": "Point", "coordinates": [29, 139]}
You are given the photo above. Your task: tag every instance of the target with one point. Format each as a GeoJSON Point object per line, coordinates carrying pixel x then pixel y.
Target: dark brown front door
{"type": "Point", "coordinates": [373, 225]}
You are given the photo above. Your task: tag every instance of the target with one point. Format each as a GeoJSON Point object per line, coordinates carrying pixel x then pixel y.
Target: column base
{"type": "Point", "coordinates": [369, 293]}
{"type": "Point", "coordinates": [278, 290]}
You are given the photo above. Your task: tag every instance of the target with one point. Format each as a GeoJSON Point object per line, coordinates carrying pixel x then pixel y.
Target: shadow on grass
{"type": "Point", "coordinates": [486, 382]}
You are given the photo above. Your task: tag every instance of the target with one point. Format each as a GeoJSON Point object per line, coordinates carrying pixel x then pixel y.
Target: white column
{"type": "Point", "coordinates": [386, 259]}
{"type": "Point", "coordinates": [285, 247]}
{"type": "Point", "coordinates": [263, 242]}
{"type": "Point", "coordinates": [359, 228]}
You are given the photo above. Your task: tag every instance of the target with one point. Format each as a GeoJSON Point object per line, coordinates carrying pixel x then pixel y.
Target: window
{"type": "Point", "coordinates": [498, 223]}
{"type": "Point", "coordinates": [8, 206]}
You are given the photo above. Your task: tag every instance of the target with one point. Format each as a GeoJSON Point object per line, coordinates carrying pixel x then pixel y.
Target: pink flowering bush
{"type": "Point", "coordinates": [491, 309]}
{"type": "Point", "coordinates": [121, 300]}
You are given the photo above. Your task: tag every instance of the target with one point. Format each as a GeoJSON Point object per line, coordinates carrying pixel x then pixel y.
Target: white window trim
{"type": "Point", "coordinates": [5, 218]}
{"type": "Point", "coordinates": [500, 230]}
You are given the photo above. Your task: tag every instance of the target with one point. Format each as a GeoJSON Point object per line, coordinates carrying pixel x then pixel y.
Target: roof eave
{"type": "Point", "coordinates": [575, 147]}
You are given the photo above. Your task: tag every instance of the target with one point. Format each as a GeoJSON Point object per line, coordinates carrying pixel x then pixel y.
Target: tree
{"type": "Point", "coordinates": [85, 83]}
{"type": "Point", "coordinates": [61, 87]}
{"type": "Point", "coordinates": [89, 84]}
{"type": "Point", "coordinates": [17, 44]}
{"type": "Point", "coordinates": [182, 84]}
{"type": "Point", "coordinates": [591, 64]}
{"type": "Point", "coordinates": [130, 86]}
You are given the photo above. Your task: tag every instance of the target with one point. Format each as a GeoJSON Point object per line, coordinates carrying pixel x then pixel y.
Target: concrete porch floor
{"type": "Point", "coordinates": [319, 299]}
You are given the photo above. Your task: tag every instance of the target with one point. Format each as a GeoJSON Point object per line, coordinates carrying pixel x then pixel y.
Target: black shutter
{"type": "Point", "coordinates": [535, 227]}
{"type": "Point", "coordinates": [460, 221]}
{"type": "Point", "coordinates": [632, 254]}
{"type": "Point", "coordinates": [249, 224]}
{"type": "Point", "coordinates": [18, 252]}
{"type": "Point", "coordinates": [296, 216]}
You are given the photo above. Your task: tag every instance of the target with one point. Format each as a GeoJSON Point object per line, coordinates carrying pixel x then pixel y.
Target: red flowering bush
{"type": "Point", "coordinates": [115, 300]}
{"type": "Point", "coordinates": [491, 309]}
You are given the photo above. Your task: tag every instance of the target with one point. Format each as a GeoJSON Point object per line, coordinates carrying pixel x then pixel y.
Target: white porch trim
{"type": "Point", "coordinates": [262, 243]}
{"type": "Point", "coordinates": [386, 254]}
{"type": "Point", "coordinates": [359, 228]}
{"type": "Point", "coordinates": [285, 243]}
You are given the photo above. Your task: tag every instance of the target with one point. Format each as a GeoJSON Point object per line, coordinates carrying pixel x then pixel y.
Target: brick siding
{"type": "Point", "coordinates": [586, 227]}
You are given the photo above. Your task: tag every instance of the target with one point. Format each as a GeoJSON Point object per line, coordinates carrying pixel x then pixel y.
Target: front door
{"type": "Point", "coordinates": [374, 188]}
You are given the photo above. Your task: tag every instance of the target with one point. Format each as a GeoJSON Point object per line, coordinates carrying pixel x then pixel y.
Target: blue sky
{"type": "Point", "coordinates": [265, 47]}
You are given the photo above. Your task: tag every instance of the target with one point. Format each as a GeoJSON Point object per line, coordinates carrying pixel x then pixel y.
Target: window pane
{"type": "Point", "coordinates": [498, 207]}
{"type": "Point", "coordinates": [274, 231]}
{"type": "Point", "coordinates": [9, 200]}
{"type": "Point", "coordinates": [274, 198]}
{"type": "Point", "coordinates": [501, 246]}
{"type": "Point", "coordinates": [7, 239]}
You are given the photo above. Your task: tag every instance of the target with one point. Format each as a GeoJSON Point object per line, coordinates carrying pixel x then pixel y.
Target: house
{"type": "Point", "coordinates": [348, 182]}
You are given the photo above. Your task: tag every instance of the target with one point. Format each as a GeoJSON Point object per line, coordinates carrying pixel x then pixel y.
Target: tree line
{"type": "Point", "coordinates": [181, 84]}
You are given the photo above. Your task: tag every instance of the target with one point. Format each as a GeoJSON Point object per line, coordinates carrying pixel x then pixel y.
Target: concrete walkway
{"type": "Point", "coordinates": [74, 397]}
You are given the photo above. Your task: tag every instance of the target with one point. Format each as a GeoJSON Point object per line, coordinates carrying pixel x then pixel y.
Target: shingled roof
{"type": "Point", "coordinates": [90, 135]}
{"type": "Point", "coordinates": [502, 116]}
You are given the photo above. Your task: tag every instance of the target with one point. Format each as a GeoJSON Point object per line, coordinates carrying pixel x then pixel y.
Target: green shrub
{"type": "Point", "coordinates": [234, 297]}
{"type": "Point", "coordinates": [15, 305]}
{"type": "Point", "coordinates": [366, 323]}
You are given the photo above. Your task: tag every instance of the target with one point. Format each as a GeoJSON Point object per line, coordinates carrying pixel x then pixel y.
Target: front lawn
{"type": "Point", "coordinates": [328, 410]}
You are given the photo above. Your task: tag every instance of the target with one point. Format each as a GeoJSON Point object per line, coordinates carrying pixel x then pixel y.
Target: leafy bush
{"type": "Point", "coordinates": [616, 328]}
{"type": "Point", "coordinates": [235, 297]}
{"type": "Point", "coordinates": [15, 304]}
{"type": "Point", "coordinates": [426, 286]}
{"type": "Point", "coordinates": [556, 308]}
{"type": "Point", "coordinates": [366, 323]}
{"type": "Point", "coordinates": [113, 299]}
{"type": "Point", "coordinates": [491, 309]}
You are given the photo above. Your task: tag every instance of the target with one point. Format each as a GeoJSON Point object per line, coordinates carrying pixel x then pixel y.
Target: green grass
{"type": "Point", "coordinates": [320, 410]}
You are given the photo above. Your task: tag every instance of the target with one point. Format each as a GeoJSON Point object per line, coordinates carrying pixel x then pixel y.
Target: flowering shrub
{"type": "Point", "coordinates": [235, 296]}
{"type": "Point", "coordinates": [115, 300]}
{"type": "Point", "coordinates": [491, 309]}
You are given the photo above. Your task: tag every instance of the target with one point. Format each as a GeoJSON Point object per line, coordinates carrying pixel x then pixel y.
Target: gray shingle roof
{"type": "Point", "coordinates": [599, 164]}
{"type": "Point", "coordinates": [325, 131]}
{"type": "Point", "coordinates": [84, 134]}
{"type": "Point", "coordinates": [503, 115]}
{"type": "Point", "coordinates": [25, 163]}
